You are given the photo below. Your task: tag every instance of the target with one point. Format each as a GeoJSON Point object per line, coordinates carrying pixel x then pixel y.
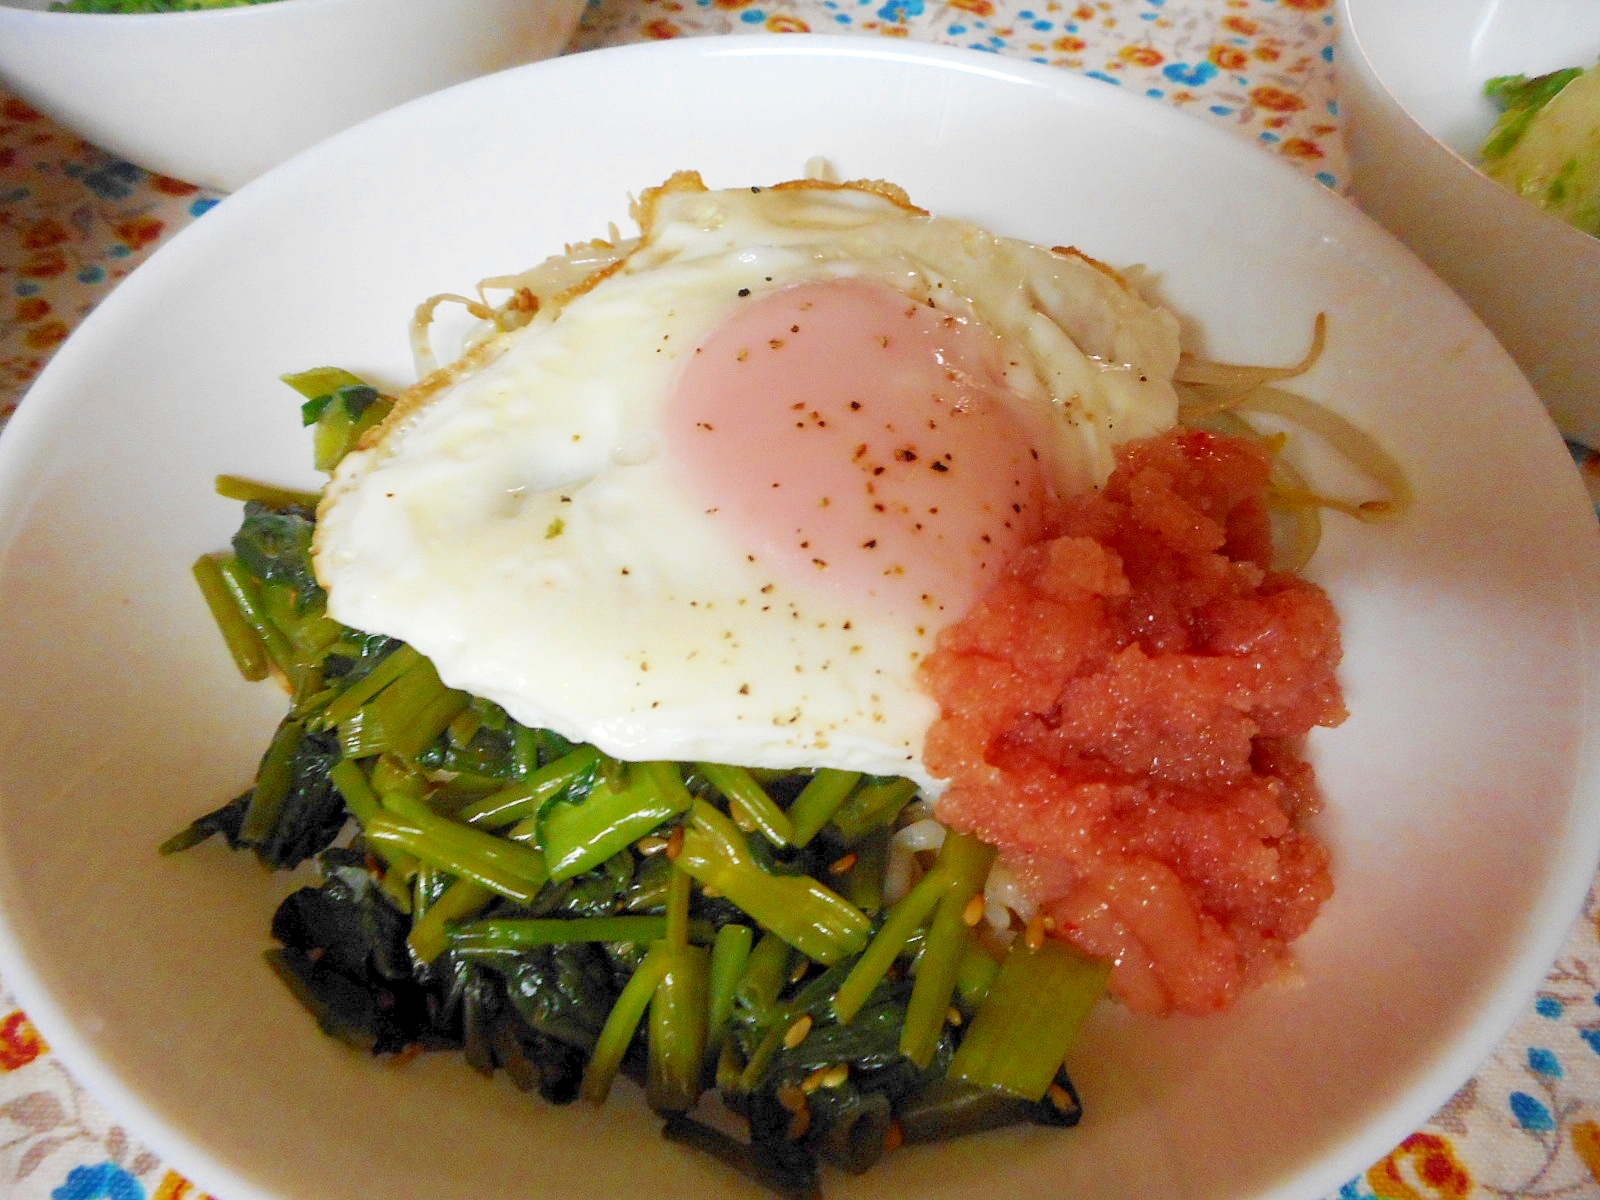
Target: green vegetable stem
{"type": "Point", "coordinates": [808, 915]}
{"type": "Point", "coordinates": [1030, 1018]}
{"type": "Point", "coordinates": [579, 836]}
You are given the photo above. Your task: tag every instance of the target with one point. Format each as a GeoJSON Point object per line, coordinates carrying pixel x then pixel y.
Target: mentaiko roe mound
{"type": "Point", "coordinates": [1124, 714]}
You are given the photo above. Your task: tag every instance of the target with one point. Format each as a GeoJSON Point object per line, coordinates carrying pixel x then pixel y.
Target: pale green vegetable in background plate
{"type": "Point", "coordinates": [1546, 145]}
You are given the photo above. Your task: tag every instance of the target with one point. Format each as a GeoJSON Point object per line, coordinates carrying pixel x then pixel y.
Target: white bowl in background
{"type": "Point", "coordinates": [1463, 793]}
{"type": "Point", "coordinates": [1411, 78]}
{"type": "Point", "coordinates": [217, 96]}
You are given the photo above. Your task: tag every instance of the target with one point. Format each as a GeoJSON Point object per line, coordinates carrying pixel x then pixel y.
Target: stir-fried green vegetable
{"type": "Point", "coordinates": [568, 918]}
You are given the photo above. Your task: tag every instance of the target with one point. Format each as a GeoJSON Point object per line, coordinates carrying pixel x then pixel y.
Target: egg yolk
{"type": "Point", "coordinates": [860, 440]}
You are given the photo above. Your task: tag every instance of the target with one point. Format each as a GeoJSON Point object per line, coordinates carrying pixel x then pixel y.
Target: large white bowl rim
{"type": "Point", "coordinates": [1462, 791]}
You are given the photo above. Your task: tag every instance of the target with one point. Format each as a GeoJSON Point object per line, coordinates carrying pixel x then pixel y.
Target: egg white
{"type": "Point", "coordinates": [517, 521]}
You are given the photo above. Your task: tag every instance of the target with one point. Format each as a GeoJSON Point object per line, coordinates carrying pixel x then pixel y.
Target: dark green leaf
{"type": "Point", "coordinates": [274, 545]}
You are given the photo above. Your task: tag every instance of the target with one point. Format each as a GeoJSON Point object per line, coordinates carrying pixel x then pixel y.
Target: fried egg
{"type": "Point", "coordinates": [716, 500]}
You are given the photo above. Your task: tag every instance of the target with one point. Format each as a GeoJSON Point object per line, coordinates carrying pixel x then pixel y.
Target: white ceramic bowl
{"type": "Point", "coordinates": [216, 97]}
{"type": "Point", "coordinates": [1411, 79]}
{"type": "Point", "coordinates": [1463, 799]}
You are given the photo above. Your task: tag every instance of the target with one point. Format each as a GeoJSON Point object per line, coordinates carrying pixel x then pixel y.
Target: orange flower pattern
{"type": "Point", "coordinates": [175, 1187]}
{"type": "Point", "coordinates": [1423, 1167]}
{"type": "Point", "coordinates": [1229, 57]}
{"type": "Point", "coordinates": [20, 1042]}
{"type": "Point", "coordinates": [1276, 99]}
{"type": "Point", "coordinates": [1141, 56]}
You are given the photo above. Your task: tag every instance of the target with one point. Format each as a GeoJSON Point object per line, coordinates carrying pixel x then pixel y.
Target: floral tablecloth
{"type": "Point", "coordinates": [73, 221]}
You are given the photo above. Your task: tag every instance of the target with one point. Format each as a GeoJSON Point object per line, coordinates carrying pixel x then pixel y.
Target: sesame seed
{"type": "Point", "coordinates": [1033, 935]}
{"type": "Point", "coordinates": [826, 1077]}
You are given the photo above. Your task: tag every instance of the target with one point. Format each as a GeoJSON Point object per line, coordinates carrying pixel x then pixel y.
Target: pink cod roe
{"type": "Point", "coordinates": [1124, 713]}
